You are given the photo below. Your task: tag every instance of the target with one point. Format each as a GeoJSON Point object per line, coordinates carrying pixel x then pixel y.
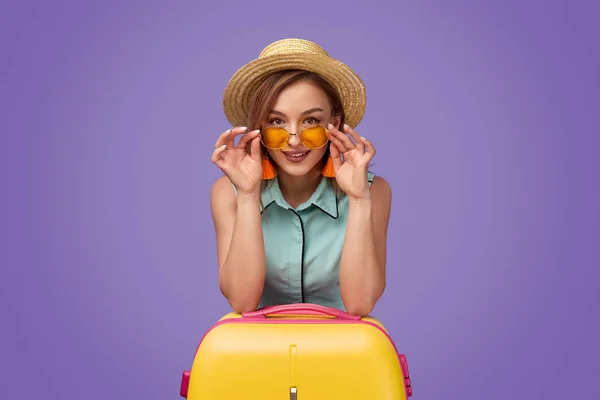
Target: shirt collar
{"type": "Point", "coordinates": [324, 198]}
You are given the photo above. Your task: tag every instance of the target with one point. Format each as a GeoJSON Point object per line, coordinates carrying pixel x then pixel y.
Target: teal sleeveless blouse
{"type": "Point", "coordinates": [303, 246]}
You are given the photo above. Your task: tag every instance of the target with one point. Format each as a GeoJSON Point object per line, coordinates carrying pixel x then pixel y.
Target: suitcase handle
{"type": "Point", "coordinates": [304, 308]}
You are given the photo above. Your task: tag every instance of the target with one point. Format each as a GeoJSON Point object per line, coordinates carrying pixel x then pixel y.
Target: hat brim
{"type": "Point", "coordinates": [243, 84]}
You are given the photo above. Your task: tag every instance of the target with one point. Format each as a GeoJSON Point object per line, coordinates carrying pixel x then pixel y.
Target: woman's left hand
{"type": "Point", "coordinates": [351, 173]}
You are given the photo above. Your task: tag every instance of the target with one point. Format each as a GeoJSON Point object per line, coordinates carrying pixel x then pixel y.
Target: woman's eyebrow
{"type": "Point", "coordinates": [315, 109]}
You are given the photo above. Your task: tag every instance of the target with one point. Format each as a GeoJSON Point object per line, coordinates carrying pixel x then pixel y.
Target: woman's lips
{"type": "Point", "coordinates": [296, 156]}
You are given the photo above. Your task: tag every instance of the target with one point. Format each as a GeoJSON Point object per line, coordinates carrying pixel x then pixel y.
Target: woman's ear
{"type": "Point", "coordinates": [336, 121]}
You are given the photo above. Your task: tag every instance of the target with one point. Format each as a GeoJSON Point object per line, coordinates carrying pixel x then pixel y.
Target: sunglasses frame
{"type": "Point", "coordinates": [295, 134]}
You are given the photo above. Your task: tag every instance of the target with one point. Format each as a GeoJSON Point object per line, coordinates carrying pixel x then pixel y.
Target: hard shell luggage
{"type": "Point", "coordinates": [297, 352]}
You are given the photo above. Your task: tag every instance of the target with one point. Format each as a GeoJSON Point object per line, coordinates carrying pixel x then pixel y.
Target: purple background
{"type": "Point", "coordinates": [485, 117]}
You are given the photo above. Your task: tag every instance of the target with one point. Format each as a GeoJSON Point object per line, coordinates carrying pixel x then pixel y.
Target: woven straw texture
{"type": "Point", "coordinates": [293, 54]}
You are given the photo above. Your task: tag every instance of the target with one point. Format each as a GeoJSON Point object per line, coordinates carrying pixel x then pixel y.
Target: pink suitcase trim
{"type": "Point", "coordinates": [304, 308]}
{"type": "Point", "coordinates": [185, 384]}
{"type": "Point", "coordinates": [259, 316]}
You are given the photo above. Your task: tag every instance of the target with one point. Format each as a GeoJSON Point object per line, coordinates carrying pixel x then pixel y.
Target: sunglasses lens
{"type": "Point", "coordinates": [274, 138]}
{"type": "Point", "coordinates": [315, 137]}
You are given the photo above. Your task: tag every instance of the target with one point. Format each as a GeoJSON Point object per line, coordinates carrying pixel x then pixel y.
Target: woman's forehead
{"type": "Point", "coordinates": [301, 98]}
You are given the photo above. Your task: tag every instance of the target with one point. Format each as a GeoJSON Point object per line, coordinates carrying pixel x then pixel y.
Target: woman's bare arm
{"type": "Point", "coordinates": [240, 245]}
{"type": "Point", "coordinates": [363, 264]}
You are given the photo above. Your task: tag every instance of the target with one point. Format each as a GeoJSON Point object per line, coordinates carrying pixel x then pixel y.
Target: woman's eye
{"type": "Point", "coordinates": [311, 120]}
{"type": "Point", "coordinates": [275, 121]}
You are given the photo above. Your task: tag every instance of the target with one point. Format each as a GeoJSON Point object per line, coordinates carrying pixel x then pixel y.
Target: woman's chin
{"type": "Point", "coordinates": [301, 169]}
{"type": "Point", "coordinates": [298, 168]}
{"type": "Point", "coordinates": [301, 166]}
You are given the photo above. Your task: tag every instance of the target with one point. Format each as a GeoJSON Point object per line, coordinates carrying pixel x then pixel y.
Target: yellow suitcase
{"type": "Point", "coordinates": [297, 352]}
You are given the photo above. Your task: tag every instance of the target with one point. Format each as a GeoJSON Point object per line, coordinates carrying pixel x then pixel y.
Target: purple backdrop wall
{"type": "Point", "coordinates": [485, 117]}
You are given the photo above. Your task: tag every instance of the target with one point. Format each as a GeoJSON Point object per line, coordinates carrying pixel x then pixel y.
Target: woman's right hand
{"type": "Point", "coordinates": [243, 170]}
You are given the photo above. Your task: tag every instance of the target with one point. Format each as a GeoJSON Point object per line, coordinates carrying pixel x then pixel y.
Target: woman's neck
{"type": "Point", "coordinates": [298, 189]}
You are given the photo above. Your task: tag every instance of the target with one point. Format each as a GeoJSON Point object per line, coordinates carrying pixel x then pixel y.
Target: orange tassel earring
{"type": "Point", "coordinates": [328, 170]}
{"type": "Point", "coordinates": [267, 167]}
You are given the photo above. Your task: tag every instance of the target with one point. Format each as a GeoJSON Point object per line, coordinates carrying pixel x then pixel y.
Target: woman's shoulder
{"type": "Point", "coordinates": [222, 185]}
{"type": "Point", "coordinates": [378, 181]}
{"type": "Point", "coordinates": [380, 187]}
{"type": "Point", "coordinates": [222, 193]}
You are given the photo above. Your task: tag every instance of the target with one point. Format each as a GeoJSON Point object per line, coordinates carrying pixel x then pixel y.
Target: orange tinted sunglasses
{"type": "Point", "coordinates": [277, 138]}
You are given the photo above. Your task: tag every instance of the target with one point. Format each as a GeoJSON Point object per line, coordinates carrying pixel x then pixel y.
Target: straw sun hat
{"type": "Point", "coordinates": [288, 54]}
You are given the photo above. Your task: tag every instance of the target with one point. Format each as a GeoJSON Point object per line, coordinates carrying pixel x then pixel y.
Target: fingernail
{"type": "Point", "coordinates": [363, 138]}
{"type": "Point", "coordinates": [329, 125]}
{"type": "Point", "coordinates": [346, 126]}
{"type": "Point", "coordinates": [243, 128]}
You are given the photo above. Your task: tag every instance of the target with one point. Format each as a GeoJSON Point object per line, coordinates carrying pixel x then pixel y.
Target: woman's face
{"type": "Point", "coordinates": [299, 106]}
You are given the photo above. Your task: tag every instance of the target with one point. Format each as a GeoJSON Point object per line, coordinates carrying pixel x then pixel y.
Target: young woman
{"type": "Point", "coordinates": [298, 216]}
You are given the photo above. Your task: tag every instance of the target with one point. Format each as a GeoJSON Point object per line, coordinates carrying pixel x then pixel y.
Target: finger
{"type": "Point", "coordinates": [217, 156]}
{"type": "Point", "coordinates": [345, 139]}
{"type": "Point", "coordinates": [369, 147]}
{"type": "Point", "coordinates": [224, 139]}
{"type": "Point", "coordinates": [255, 149]}
{"type": "Point", "coordinates": [357, 138]}
{"type": "Point", "coordinates": [228, 136]}
{"type": "Point", "coordinates": [335, 155]}
{"type": "Point", "coordinates": [246, 138]}
{"type": "Point", "coordinates": [338, 143]}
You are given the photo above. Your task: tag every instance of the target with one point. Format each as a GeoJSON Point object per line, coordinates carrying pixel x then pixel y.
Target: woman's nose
{"type": "Point", "coordinates": [294, 137]}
